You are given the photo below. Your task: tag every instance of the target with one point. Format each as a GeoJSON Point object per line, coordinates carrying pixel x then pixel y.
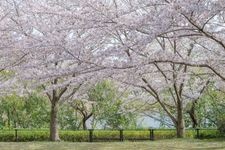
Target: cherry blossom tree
{"type": "Point", "coordinates": [134, 27]}
{"type": "Point", "coordinates": [59, 51]}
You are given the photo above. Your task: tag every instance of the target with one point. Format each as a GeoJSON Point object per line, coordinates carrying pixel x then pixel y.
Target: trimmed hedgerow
{"type": "Point", "coordinates": [209, 133]}
{"type": "Point", "coordinates": [136, 135]}
{"type": "Point", "coordinates": [74, 136]}
{"type": "Point", "coordinates": [106, 135]}
{"type": "Point", "coordinates": [7, 135]}
{"type": "Point", "coordinates": [24, 135]}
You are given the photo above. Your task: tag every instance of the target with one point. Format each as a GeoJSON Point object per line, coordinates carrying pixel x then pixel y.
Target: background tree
{"type": "Point", "coordinates": [110, 109]}
{"type": "Point", "coordinates": [68, 118]}
{"type": "Point", "coordinates": [24, 111]}
{"type": "Point", "coordinates": [85, 110]}
{"type": "Point", "coordinates": [209, 110]}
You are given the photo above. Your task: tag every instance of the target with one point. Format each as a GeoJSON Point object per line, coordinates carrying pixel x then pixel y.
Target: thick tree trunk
{"type": "Point", "coordinates": [54, 133]}
{"type": "Point", "coordinates": [180, 126]}
{"type": "Point", "coordinates": [180, 129]}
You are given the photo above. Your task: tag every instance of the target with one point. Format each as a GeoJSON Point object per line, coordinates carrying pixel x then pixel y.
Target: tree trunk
{"type": "Point", "coordinates": [180, 126]}
{"type": "Point", "coordinates": [84, 123]}
{"type": "Point", "coordinates": [180, 129]}
{"type": "Point", "coordinates": [54, 133]}
{"type": "Point", "coordinates": [9, 120]}
{"type": "Point", "coordinates": [192, 115]}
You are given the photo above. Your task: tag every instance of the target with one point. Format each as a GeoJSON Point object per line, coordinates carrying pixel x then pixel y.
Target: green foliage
{"type": "Point", "coordinates": [6, 74]}
{"type": "Point", "coordinates": [221, 123]}
{"type": "Point", "coordinates": [23, 112]}
{"type": "Point", "coordinates": [211, 109]}
{"type": "Point", "coordinates": [37, 112]}
{"type": "Point", "coordinates": [32, 112]}
{"type": "Point", "coordinates": [109, 107]}
{"type": "Point", "coordinates": [10, 110]}
{"type": "Point", "coordinates": [209, 133]}
{"type": "Point", "coordinates": [68, 118]}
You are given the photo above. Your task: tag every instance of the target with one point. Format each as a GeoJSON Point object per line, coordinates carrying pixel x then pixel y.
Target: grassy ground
{"type": "Point", "coordinates": [175, 144]}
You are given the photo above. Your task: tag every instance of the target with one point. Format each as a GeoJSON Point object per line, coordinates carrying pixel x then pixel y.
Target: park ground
{"type": "Point", "coordinates": [174, 144]}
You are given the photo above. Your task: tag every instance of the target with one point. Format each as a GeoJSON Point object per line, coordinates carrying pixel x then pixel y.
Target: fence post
{"type": "Point", "coordinates": [16, 135]}
{"type": "Point", "coordinates": [91, 135]}
{"type": "Point", "coordinates": [121, 135]}
{"type": "Point", "coordinates": [151, 134]}
{"type": "Point", "coordinates": [197, 132]}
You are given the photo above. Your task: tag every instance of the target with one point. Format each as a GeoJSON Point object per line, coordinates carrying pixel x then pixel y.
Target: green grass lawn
{"type": "Point", "coordinates": [174, 144]}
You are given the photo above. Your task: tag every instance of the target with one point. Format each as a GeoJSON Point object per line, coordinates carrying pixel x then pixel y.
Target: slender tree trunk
{"type": "Point", "coordinates": [84, 123]}
{"type": "Point", "coordinates": [54, 133]}
{"type": "Point", "coordinates": [192, 115]}
{"type": "Point", "coordinates": [9, 120]}
{"type": "Point", "coordinates": [180, 126]}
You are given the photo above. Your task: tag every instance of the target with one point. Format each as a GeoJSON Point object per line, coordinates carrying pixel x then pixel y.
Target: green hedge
{"type": "Point", "coordinates": [105, 135]}
{"type": "Point", "coordinates": [74, 136]}
{"type": "Point", "coordinates": [136, 134]}
{"type": "Point", "coordinates": [7, 135]}
{"type": "Point", "coordinates": [101, 135]}
{"type": "Point", "coordinates": [207, 134]}
{"type": "Point", "coordinates": [42, 135]}
{"type": "Point", "coordinates": [24, 135]}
